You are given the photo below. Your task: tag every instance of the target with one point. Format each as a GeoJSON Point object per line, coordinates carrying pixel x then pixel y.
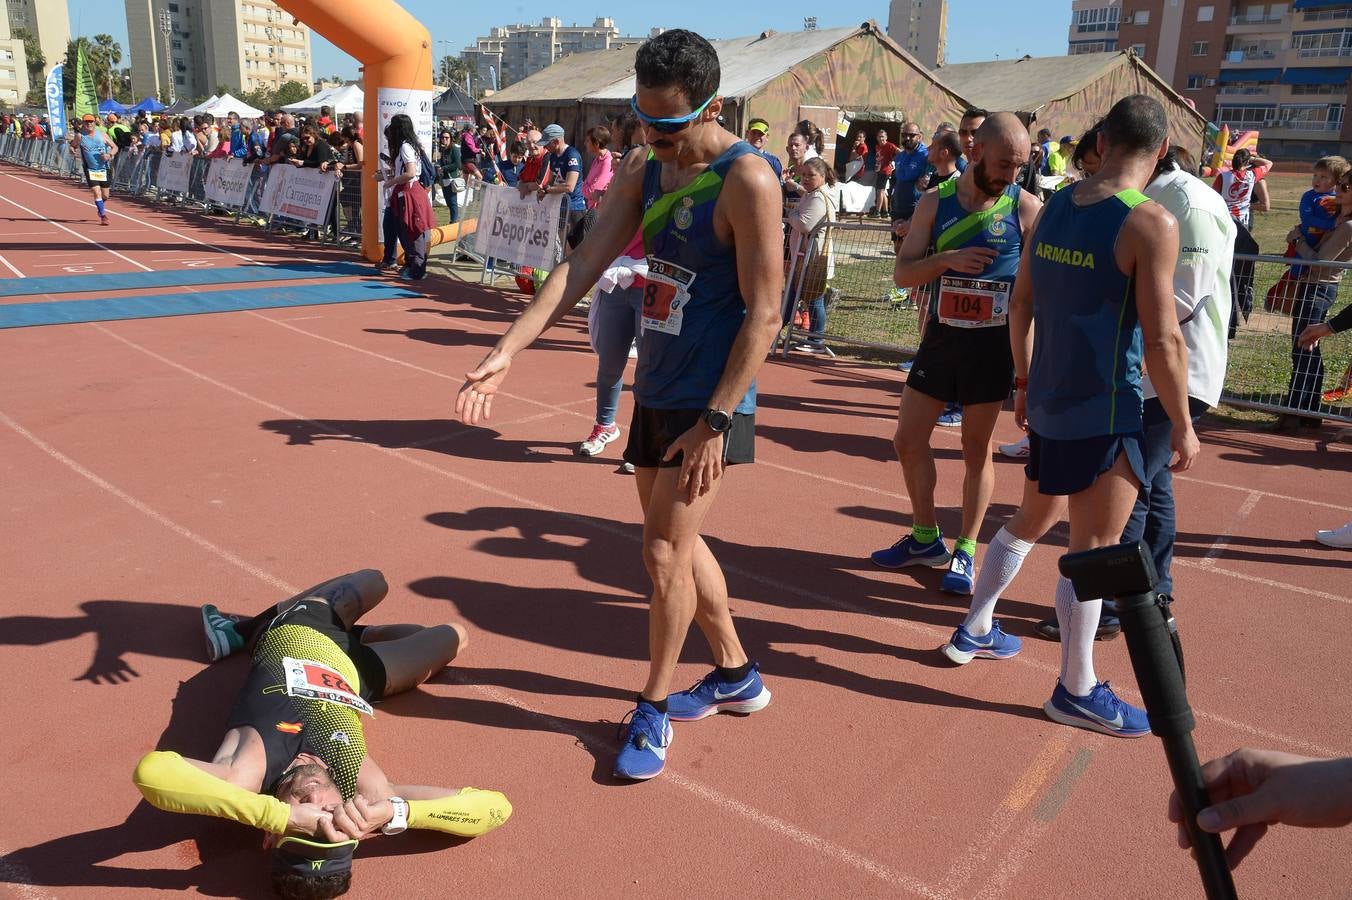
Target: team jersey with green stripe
{"type": "Point", "coordinates": [1085, 379]}
{"type": "Point", "coordinates": [692, 302]}
{"type": "Point", "coordinates": [997, 228]}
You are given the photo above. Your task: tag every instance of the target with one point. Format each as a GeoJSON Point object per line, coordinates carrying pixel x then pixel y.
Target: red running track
{"type": "Point", "coordinates": [154, 465]}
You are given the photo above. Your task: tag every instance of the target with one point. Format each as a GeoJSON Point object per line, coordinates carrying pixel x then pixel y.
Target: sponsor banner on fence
{"type": "Point", "coordinates": [302, 194]}
{"type": "Point", "coordinates": [522, 231]}
{"type": "Point", "coordinates": [227, 181]}
{"type": "Point", "coordinates": [173, 174]}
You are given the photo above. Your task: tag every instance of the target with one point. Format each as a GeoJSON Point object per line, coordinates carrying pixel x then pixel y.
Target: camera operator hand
{"type": "Point", "coordinates": [1252, 789]}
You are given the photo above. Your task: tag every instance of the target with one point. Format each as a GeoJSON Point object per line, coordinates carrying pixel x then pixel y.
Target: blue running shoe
{"type": "Point", "coordinates": [906, 366]}
{"type": "Point", "coordinates": [958, 579]}
{"type": "Point", "coordinates": [712, 695]}
{"type": "Point", "coordinates": [962, 648]}
{"type": "Point", "coordinates": [951, 417]}
{"type": "Point", "coordinates": [1101, 711]}
{"type": "Point", "coordinates": [910, 552]}
{"type": "Point", "coordinates": [647, 735]}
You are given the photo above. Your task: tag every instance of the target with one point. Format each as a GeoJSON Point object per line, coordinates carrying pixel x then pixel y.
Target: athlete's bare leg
{"type": "Point", "coordinates": [711, 592]}
{"type": "Point", "coordinates": [978, 483]}
{"type": "Point", "coordinates": [412, 659]}
{"type": "Point", "coordinates": [915, 425]}
{"type": "Point", "coordinates": [671, 545]}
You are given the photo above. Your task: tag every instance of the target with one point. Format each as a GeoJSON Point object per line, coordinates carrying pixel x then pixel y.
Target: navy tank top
{"type": "Point", "coordinates": [981, 301]}
{"type": "Point", "coordinates": [692, 304]}
{"type": "Point", "coordinates": [1085, 379]}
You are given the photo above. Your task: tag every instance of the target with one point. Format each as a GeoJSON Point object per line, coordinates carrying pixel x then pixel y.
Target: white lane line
{"type": "Point", "coordinates": [73, 265]}
{"type": "Point", "coordinates": [930, 632]}
{"type": "Point", "coordinates": [70, 231]}
{"type": "Point", "coordinates": [138, 221]}
{"type": "Point", "coordinates": [1267, 582]}
{"type": "Point", "coordinates": [1241, 515]}
{"type": "Point", "coordinates": [9, 265]}
{"type": "Point", "coordinates": [1267, 494]}
{"type": "Point", "coordinates": [710, 795]}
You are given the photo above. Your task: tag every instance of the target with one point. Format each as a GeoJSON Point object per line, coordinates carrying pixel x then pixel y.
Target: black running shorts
{"type": "Point", "coordinates": [963, 365]}
{"type": "Point", "coordinates": [653, 431]}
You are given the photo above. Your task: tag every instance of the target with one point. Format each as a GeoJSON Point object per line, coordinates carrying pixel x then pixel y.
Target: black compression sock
{"type": "Point", "coordinates": [733, 676]}
{"type": "Point", "coordinates": [659, 705]}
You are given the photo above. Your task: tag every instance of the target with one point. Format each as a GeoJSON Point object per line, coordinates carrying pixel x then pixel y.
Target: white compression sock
{"type": "Point", "coordinates": [1004, 557]}
{"type": "Point", "coordinates": [1079, 623]}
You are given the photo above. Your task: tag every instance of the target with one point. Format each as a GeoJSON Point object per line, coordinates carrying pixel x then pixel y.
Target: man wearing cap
{"type": "Point", "coordinates": [1060, 157]}
{"type": "Point", "coordinates": [565, 166]}
{"type": "Point", "coordinates": [296, 734]}
{"type": "Point", "coordinates": [758, 136]}
{"type": "Point", "coordinates": [95, 149]}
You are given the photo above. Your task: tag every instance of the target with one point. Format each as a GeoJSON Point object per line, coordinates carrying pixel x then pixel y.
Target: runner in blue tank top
{"type": "Point", "coordinates": [1093, 298]}
{"type": "Point", "coordinates": [95, 150]}
{"type": "Point", "coordinates": [708, 207]}
{"type": "Point", "coordinates": [964, 243]}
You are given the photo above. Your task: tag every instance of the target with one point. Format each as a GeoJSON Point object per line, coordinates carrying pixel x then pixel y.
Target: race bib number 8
{"type": "Point", "coordinates": [973, 302]}
{"type": "Point", "coordinates": [665, 296]}
{"type": "Point", "coordinates": [98, 174]}
{"type": "Point", "coordinates": [316, 681]}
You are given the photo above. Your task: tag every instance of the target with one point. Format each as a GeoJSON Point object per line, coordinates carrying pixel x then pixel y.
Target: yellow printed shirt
{"type": "Point", "coordinates": [303, 695]}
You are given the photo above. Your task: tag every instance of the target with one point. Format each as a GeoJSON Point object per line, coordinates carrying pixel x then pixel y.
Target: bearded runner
{"type": "Point", "coordinates": [964, 244]}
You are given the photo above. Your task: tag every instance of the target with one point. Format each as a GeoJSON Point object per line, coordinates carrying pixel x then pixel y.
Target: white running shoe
{"type": "Point", "coordinates": [1339, 538]}
{"type": "Point", "coordinates": [1016, 450]}
{"type": "Point", "coordinates": [633, 350]}
{"type": "Point", "coordinates": [596, 442]}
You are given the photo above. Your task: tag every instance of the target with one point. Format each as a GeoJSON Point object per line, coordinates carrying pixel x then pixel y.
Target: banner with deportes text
{"type": "Point", "coordinates": [56, 106]}
{"type": "Point", "coordinates": [228, 181]}
{"type": "Point", "coordinates": [174, 172]}
{"type": "Point", "coordinates": [524, 231]}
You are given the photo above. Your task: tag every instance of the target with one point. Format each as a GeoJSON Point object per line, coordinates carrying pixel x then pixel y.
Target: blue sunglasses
{"type": "Point", "coordinates": [668, 126]}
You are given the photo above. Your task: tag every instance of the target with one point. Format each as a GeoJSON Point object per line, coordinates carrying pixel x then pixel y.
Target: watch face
{"type": "Point", "coordinates": [718, 420]}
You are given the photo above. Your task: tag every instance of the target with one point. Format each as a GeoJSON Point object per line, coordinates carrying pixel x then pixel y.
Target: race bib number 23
{"type": "Point", "coordinates": [316, 681]}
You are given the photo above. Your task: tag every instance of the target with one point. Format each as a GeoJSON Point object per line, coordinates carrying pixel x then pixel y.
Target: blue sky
{"type": "Point", "coordinates": [977, 29]}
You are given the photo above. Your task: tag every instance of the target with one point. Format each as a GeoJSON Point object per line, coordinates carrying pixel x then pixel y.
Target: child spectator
{"type": "Point", "coordinates": [1319, 205]}
{"type": "Point", "coordinates": [1236, 184]}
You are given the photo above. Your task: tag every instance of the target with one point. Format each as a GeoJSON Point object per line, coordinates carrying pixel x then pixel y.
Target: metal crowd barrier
{"type": "Point", "coordinates": [1272, 302]}
{"type": "Point", "coordinates": [135, 174]}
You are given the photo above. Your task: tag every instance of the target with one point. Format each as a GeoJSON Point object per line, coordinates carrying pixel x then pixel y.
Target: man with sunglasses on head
{"type": "Point", "coordinates": [708, 210]}
{"type": "Point", "coordinates": [293, 761]}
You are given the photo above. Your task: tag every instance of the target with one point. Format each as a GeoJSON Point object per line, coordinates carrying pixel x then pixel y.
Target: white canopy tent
{"type": "Point", "coordinates": [199, 108]}
{"type": "Point", "coordinates": [346, 99]}
{"type": "Point", "coordinates": [220, 107]}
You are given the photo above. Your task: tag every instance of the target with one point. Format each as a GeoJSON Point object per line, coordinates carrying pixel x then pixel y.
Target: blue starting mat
{"type": "Point", "coordinates": [68, 312]}
{"type": "Point", "coordinates": [131, 281]}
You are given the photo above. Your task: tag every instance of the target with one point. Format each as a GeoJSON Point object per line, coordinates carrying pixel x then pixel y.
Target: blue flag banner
{"type": "Point", "coordinates": [56, 106]}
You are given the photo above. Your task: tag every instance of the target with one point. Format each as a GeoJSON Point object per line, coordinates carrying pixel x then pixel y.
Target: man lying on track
{"type": "Point", "coordinates": [293, 760]}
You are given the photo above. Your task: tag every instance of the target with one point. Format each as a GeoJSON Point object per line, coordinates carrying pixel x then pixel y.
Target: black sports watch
{"type": "Point", "coordinates": [719, 421]}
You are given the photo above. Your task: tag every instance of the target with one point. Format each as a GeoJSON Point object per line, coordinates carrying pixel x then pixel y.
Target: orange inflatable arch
{"type": "Point", "coordinates": [395, 52]}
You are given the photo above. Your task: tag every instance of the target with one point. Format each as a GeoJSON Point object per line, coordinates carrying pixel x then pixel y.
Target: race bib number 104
{"type": "Point", "coordinates": [973, 302]}
{"type": "Point", "coordinates": [316, 681]}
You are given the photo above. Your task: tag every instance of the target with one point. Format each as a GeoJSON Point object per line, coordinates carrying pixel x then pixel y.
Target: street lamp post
{"type": "Point", "coordinates": [441, 74]}
{"type": "Point", "coordinates": [166, 29]}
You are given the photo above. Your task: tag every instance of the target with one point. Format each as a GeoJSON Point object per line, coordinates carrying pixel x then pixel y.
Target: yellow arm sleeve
{"type": "Point", "coordinates": [470, 813]}
{"type": "Point", "coordinates": [171, 783]}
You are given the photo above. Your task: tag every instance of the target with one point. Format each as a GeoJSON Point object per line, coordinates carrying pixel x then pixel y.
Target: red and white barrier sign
{"type": "Point", "coordinates": [302, 194]}
{"type": "Point", "coordinates": [228, 181]}
{"type": "Point", "coordinates": [173, 173]}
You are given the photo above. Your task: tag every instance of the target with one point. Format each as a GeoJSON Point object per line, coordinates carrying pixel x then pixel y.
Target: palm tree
{"type": "Point", "coordinates": [109, 53]}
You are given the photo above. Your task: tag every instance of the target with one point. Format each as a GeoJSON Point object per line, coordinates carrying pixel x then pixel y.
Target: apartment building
{"type": "Point", "coordinates": [1093, 26]}
{"type": "Point", "coordinates": [921, 27]}
{"type": "Point", "coordinates": [512, 52]}
{"type": "Point", "coordinates": [1282, 68]}
{"type": "Point", "coordinates": [48, 21]}
{"type": "Point", "coordinates": [186, 48]}
{"type": "Point", "coordinates": [13, 69]}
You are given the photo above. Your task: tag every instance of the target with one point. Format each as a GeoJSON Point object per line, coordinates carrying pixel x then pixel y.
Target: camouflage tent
{"type": "Point", "coordinates": [1068, 94]}
{"type": "Point", "coordinates": [834, 77]}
